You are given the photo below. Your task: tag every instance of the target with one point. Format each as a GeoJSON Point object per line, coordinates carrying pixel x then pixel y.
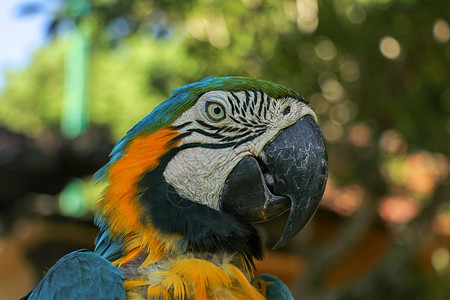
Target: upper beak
{"type": "Point", "coordinates": [290, 173]}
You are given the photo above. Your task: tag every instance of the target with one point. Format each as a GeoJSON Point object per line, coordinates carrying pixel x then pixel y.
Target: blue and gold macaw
{"type": "Point", "coordinates": [184, 186]}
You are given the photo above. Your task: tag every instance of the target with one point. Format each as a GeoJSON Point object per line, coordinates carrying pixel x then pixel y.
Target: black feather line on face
{"type": "Point", "coordinates": [178, 127]}
{"type": "Point", "coordinates": [235, 137]}
{"type": "Point", "coordinates": [267, 104]}
{"type": "Point", "coordinates": [202, 229]}
{"type": "Point", "coordinates": [261, 104]}
{"type": "Point", "coordinates": [253, 123]}
{"type": "Point", "coordinates": [205, 133]}
{"type": "Point", "coordinates": [252, 111]}
{"type": "Point", "coordinates": [255, 98]}
{"type": "Point", "coordinates": [206, 125]}
{"type": "Point", "coordinates": [256, 128]}
{"type": "Point", "coordinates": [248, 139]}
{"type": "Point", "coordinates": [228, 129]}
{"type": "Point", "coordinates": [236, 120]}
{"type": "Point", "coordinates": [237, 106]}
{"type": "Point", "coordinates": [235, 97]}
{"type": "Point", "coordinates": [232, 141]}
{"type": "Point", "coordinates": [231, 104]}
{"type": "Point", "coordinates": [247, 101]}
{"type": "Point", "coordinates": [244, 121]}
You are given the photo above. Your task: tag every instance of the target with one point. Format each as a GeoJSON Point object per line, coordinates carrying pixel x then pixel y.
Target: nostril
{"type": "Point", "coordinates": [269, 181]}
{"type": "Point", "coordinates": [286, 110]}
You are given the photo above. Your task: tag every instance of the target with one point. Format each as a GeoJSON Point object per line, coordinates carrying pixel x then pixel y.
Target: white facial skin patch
{"type": "Point", "coordinates": [224, 128]}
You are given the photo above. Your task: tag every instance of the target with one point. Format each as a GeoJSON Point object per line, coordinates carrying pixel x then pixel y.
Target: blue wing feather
{"type": "Point", "coordinates": [275, 288]}
{"type": "Point", "coordinates": [106, 246]}
{"type": "Point", "coordinates": [80, 275]}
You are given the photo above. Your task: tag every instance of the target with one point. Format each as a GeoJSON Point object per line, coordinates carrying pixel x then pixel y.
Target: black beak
{"type": "Point", "coordinates": [290, 174]}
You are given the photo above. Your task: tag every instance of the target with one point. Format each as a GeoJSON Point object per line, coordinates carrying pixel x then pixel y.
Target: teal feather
{"type": "Point", "coordinates": [106, 246]}
{"type": "Point", "coordinates": [275, 288]}
{"type": "Point", "coordinates": [80, 275]}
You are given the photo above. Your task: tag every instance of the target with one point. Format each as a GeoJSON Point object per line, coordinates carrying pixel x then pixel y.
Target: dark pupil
{"type": "Point", "coordinates": [286, 110]}
{"type": "Point", "coordinates": [217, 110]}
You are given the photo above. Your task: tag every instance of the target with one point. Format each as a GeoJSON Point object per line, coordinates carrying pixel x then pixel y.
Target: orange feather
{"type": "Point", "coordinates": [156, 292]}
{"type": "Point", "coordinates": [120, 206]}
{"type": "Point", "coordinates": [203, 274]}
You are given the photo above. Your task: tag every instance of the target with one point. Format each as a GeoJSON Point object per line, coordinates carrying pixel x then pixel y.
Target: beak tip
{"type": "Point", "coordinates": [276, 246]}
{"type": "Point", "coordinates": [293, 227]}
{"type": "Point", "coordinates": [281, 242]}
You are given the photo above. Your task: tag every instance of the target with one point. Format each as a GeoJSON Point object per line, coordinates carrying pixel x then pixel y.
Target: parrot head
{"type": "Point", "coordinates": [216, 156]}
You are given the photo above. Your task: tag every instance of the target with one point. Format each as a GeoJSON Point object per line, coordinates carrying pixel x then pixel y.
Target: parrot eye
{"type": "Point", "coordinates": [215, 111]}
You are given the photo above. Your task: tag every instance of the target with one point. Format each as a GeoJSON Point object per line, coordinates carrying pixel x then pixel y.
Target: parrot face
{"type": "Point", "coordinates": [222, 129]}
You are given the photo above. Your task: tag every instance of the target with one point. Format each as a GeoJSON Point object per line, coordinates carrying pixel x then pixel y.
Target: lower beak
{"type": "Point", "coordinates": [291, 173]}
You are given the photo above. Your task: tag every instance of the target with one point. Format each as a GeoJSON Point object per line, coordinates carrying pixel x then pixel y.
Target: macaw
{"type": "Point", "coordinates": [183, 188]}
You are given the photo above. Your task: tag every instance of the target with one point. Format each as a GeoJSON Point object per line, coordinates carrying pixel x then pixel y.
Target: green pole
{"type": "Point", "coordinates": [74, 119]}
{"type": "Point", "coordinates": [74, 115]}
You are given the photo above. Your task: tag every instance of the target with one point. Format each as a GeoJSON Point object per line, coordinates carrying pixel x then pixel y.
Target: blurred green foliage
{"type": "Point", "coordinates": [120, 86]}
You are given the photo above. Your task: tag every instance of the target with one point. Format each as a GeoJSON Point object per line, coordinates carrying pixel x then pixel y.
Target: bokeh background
{"type": "Point", "coordinates": [377, 72]}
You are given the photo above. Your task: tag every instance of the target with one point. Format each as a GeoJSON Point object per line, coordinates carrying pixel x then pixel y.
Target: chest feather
{"type": "Point", "coordinates": [189, 277]}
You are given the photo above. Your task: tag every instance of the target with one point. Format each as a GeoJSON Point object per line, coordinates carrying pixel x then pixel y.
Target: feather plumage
{"type": "Point", "coordinates": [80, 275]}
{"type": "Point", "coordinates": [272, 287]}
